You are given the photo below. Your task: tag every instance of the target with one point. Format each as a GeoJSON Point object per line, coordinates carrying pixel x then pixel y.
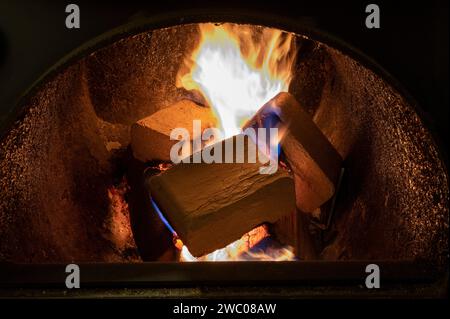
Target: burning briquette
{"type": "Point", "coordinates": [212, 205]}
{"type": "Point", "coordinates": [150, 137]}
{"type": "Point", "coordinates": [314, 161]}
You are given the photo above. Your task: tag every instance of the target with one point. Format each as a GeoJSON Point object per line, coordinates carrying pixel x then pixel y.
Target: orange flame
{"type": "Point", "coordinates": [238, 69]}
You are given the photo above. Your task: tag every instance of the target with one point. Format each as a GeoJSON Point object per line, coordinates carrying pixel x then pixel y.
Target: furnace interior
{"type": "Point", "coordinates": [69, 146]}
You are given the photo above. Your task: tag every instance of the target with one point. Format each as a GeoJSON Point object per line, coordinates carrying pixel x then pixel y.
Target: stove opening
{"type": "Point", "coordinates": [122, 155]}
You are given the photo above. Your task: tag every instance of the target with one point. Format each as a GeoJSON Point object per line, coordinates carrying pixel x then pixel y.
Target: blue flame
{"type": "Point", "coordinates": [267, 117]}
{"type": "Point", "coordinates": [161, 216]}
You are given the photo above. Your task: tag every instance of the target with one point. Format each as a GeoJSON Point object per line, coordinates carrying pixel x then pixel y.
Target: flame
{"type": "Point", "coordinates": [238, 69]}
{"type": "Point", "coordinates": [241, 250]}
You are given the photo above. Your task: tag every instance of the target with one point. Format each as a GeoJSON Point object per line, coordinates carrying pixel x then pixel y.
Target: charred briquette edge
{"type": "Point", "coordinates": [212, 205]}
{"type": "Point", "coordinates": [150, 136]}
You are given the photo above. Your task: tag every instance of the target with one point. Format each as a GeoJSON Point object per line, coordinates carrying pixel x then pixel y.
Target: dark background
{"type": "Point", "coordinates": [412, 43]}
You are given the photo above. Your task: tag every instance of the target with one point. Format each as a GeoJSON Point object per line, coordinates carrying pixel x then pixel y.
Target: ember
{"type": "Point", "coordinates": [117, 228]}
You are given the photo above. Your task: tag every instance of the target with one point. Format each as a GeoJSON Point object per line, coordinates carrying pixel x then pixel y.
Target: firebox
{"type": "Point", "coordinates": [87, 175]}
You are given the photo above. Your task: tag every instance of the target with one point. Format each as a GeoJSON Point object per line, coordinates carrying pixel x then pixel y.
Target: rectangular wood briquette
{"type": "Point", "coordinates": [315, 163]}
{"type": "Point", "coordinates": [212, 205]}
{"type": "Point", "coordinates": [150, 136]}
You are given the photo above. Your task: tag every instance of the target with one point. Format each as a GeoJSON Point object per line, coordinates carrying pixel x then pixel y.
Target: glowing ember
{"type": "Point", "coordinates": [238, 69]}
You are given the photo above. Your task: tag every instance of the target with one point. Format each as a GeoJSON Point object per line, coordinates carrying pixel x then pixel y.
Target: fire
{"type": "Point", "coordinates": [243, 249]}
{"type": "Point", "coordinates": [238, 69]}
